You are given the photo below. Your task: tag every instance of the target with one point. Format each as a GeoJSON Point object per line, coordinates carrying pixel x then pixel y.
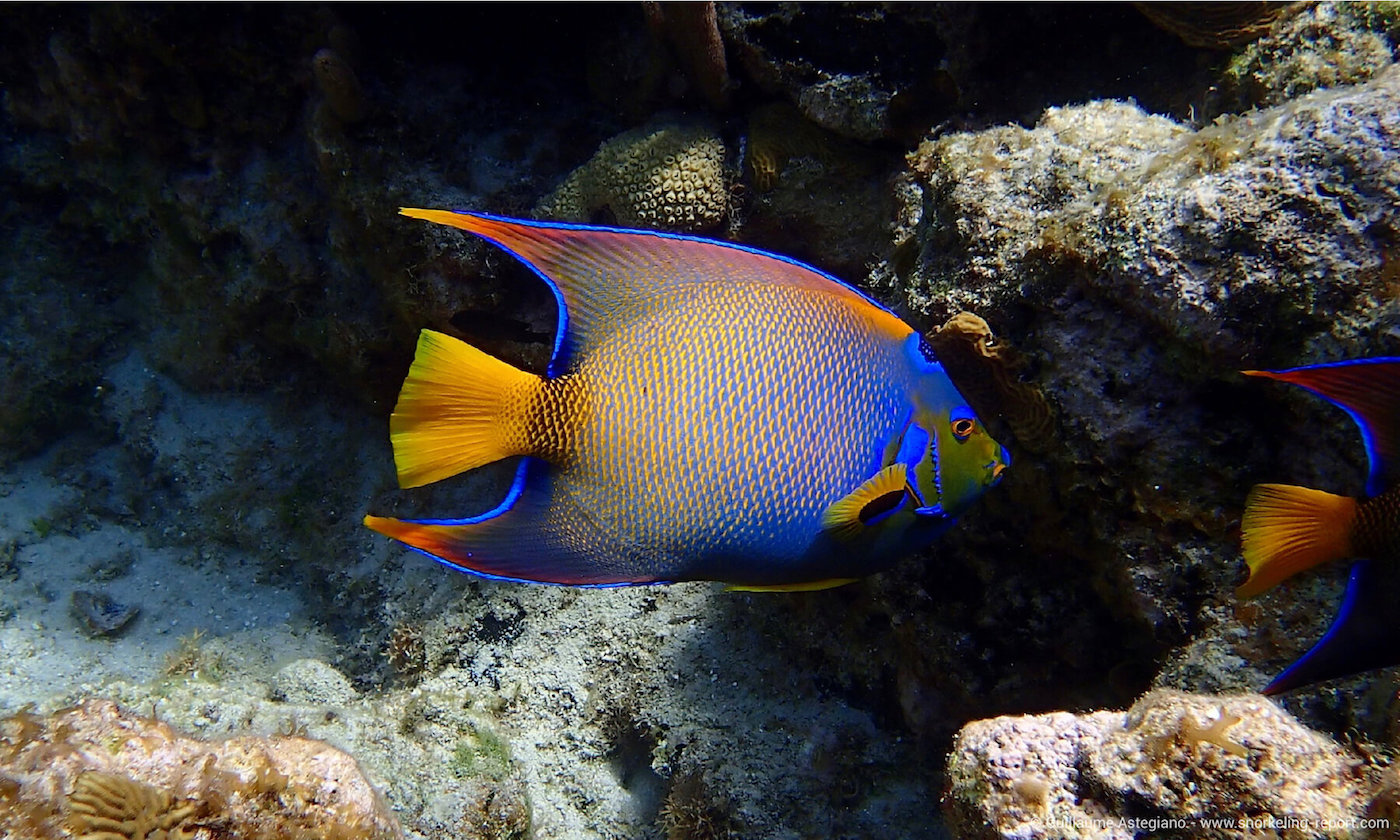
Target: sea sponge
{"type": "Point", "coordinates": [1215, 25]}
{"type": "Point", "coordinates": [988, 372]}
{"type": "Point", "coordinates": [669, 176]}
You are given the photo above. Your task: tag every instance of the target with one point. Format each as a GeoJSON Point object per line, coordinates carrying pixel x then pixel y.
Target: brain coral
{"type": "Point", "coordinates": [120, 776]}
{"type": "Point", "coordinates": [661, 176]}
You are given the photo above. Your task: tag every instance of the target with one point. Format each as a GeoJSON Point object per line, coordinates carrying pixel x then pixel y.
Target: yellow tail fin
{"type": "Point", "coordinates": [459, 408]}
{"type": "Point", "coordinates": [1287, 529]}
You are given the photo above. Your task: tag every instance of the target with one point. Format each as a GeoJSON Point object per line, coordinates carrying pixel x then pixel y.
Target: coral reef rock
{"type": "Point", "coordinates": [1316, 45]}
{"type": "Point", "coordinates": [840, 84]}
{"type": "Point", "coordinates": [312, 681]}
{"type": "Point", "coordinates": [99, 615]}
{"type": "Point", "coordinates": [1188, 229]}
{"type": "Point", "coordinates": [823, 197]}
{"type": "Point", "coordinates": [666, 176]}
{"type": "Point", "coordinates": [117, 775]}
{"type": "Point", "coordinates": [1137, 264]}
{"type": "Point", "coordinates": [1185, 764]}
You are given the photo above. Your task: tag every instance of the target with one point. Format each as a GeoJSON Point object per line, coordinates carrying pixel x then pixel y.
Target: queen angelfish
{"type": "Point", "coordinates": [711, 412]}
{"type": "Point", "coordinates": [1287, 529]}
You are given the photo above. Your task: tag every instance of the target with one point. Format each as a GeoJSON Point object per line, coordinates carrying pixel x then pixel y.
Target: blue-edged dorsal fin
{"type": "Point", "coordinates": [1364, 635]}
{"type": "Point", "coordinates": [1369, 391]}
{"type": "Point", "coordinates": [606, 276]}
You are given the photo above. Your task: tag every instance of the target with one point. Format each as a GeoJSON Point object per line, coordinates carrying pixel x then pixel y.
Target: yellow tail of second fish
{"type": "Point", "coordinates": [459, 408]}
{"type": "Point", "coordinates": [1288, 529]}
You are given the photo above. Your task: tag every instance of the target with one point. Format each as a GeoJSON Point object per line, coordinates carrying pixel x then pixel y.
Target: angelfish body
{"type": "Point", "coordinates": [712, 412]}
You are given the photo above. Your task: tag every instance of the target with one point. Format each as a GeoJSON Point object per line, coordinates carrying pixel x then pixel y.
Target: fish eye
{"type": "Point", "coordinates": [963, 427]}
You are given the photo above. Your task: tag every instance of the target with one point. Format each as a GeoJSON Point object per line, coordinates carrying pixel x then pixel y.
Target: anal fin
{"type": "Point", "coordinates": [1364, 635]}
{"type": "Point", "coordinates": [537, 535]}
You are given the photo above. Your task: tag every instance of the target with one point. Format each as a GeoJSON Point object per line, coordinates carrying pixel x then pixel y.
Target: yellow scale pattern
{"type": "Point", "coordinates": [718, 424]}
{"type": "Point", "coordinates": [1376, 534]}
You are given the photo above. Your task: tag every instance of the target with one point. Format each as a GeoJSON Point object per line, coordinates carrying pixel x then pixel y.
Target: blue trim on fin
{"type": "Point", "coordinates": [877, 519]}
{"type": "Point", "coordinates": [512, 496]}
{"type": "Point", "coordinates": [1375, 479]}
{"type": "Point", "coordinates": [1378, 473]}
{"type": "Point", "coordinates": [517, 487]}
{"type": "Point", "coordinates": [681, 236]}
{"type": "Point", "coordinates": [1309, 667]}
{"type": "Point", "coordinates": [560, 357]}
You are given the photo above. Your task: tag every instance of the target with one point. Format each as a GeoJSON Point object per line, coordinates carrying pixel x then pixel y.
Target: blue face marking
{"type": "Point", "coordinates": [913, 447]}
{"type": "Point", "coordinates": [920, 354]}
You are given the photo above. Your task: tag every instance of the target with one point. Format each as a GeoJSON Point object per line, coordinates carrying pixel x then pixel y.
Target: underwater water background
{"type": "Point", "coordinates": [210, 302]}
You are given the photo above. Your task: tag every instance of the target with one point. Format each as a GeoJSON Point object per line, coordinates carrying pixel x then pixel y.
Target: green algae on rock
{"type": "Point", "coordinates": [1315, 46]}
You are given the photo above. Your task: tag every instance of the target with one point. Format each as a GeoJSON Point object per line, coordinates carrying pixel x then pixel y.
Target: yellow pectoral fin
{"type": "Point", "coordinates": [810, 586]}
{"type": "Point", "coordinates": [1287, 529]}
{"type": "Point", "coordinates": [881, 493]}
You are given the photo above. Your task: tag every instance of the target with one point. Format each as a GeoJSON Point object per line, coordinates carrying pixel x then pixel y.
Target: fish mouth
{"type": "Point", "coordinates": [999, 466]}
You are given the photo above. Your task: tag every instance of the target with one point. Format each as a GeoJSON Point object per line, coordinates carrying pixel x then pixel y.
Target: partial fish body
{"type": "Point", "coordinates": [712, 412]}
{"type": "Point", "coordinates": [1288, 529]}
